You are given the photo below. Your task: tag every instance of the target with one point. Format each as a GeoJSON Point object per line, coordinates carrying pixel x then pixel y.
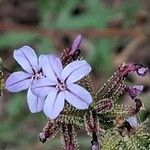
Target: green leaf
{"type": "Point", "coordinates": [48, 10]}
{"type": "Point", "coordinates": [96, 15]}
{"type": "Point", "coordinates": [16, 38]}
{"type": "Point", "coordinates": [129, 9]}
{"type": "Point", "coordinates": [102, 57]}
{"type": "Point", "coordinates": [44, 46]}
{"type": "Point", "coordinates": [16, 104]}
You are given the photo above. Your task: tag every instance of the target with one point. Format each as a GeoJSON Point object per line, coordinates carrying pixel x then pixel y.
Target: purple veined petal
{"type": "Point", "coordinates": [27, 59]}
{"type": "Point", "coordinates": [75, 71]}
{"type": "Point", "coordinates": [18, 81]}
{"type": "Point", "coordinates": [134, 91]}
{"type": "Point", "coordinates": [75, 45]}
{"type": "Point", "coordinates": [133, 121]}
{"type": "Point", "coordinates": [78, 96]}
{"type": "Point", "coordinates": [35, 103]}
{"type": "Point", "coordinates": [54, 104]}
{"type": "Point", "coordinates": [139, 88]}
{"type": "Point", "coordinates": [43, 86]}
{"type": "Point", "coordinates": [51, 66]}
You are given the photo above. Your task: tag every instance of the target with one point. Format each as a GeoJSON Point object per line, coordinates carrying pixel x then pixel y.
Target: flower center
{"type": "Point", "coordinates": [61, 86]}
{"type": "Point", "coordinates": [37, 75]}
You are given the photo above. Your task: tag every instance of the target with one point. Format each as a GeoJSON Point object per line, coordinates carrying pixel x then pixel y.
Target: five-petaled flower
{"type": "Point", "coordinates": [22, 80]}
{"type": "Point", "coordinates": [58, 85]}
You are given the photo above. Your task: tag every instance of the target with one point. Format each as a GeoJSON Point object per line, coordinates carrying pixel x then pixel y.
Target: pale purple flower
{"type": "Point", "coordinates": [22, 80]}
{"type": "Point", "coordinates": [133, 121]}
{"type": "Point", "coordinates": [134, 91]}
{"type": "Point", "coordinates": [142, 70]}
{"type": "Point", "coordinates": [59, 85]}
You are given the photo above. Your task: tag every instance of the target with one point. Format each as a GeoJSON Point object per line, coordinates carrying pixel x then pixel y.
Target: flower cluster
{"type": "Point", "coordinates": [62, 89]}
{"type": "Point", "coordinates": [48, 83]}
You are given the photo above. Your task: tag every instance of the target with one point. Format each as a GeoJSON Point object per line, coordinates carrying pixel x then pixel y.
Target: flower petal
{"type": "Point", "coordinates": [35, 103]}
{"type": "Point", "coordinates": [134, 91]}
{"type": "Point", "coordinates": [51, 66]}
{"type": "Point", "coordinates": [18, 81]}
{"type": "Point", "coordinates": [41, 61]}
{"type": "Point", "coordinates": [142, 70]}
{"type": "Point", "coordinates": [54, 104]}
{"type": "Point", "coordinates": [42, 87]}
{"type": "Point", "coordinates": [78, 96]}
{"type": "Point", "coordinates": [75, 71]}
{"type": "Point", "coordinates": [133, 121]}
{"type": "Point", "coordinates": [27, 59]}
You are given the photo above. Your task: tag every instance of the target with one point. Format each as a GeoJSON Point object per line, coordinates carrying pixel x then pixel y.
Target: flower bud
{"type": "Point", "coordinates": [75, 45]}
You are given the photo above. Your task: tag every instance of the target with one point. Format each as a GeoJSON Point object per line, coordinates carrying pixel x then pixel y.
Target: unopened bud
{"type": "Point", "coordinates": [76, 44]}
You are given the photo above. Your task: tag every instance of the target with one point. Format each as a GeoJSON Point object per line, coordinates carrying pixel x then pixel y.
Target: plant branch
{"type": "Point", "coordinates": [52, 33]}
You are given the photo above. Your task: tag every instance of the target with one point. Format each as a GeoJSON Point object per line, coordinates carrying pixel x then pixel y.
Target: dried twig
{"type": "Point", "coordinates": [51, 33]}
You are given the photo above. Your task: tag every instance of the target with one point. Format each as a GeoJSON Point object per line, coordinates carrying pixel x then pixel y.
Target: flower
{"type": "Point", "coordinates": [22, 80]}
{"type": "Point", "coordinates": [142, 70]}
{"type": "Point", "coordinates": [133, 121]}
{"type": "Point", "coordinates": [134, 91]}
{"type": "Point", "coordinates": [58, 85]}
{"type": "Point", "coordinates": [139, 69]}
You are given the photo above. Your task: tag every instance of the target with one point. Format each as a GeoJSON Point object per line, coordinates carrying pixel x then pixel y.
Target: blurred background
{"type": "Point", "coordinates": [114, 31]}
